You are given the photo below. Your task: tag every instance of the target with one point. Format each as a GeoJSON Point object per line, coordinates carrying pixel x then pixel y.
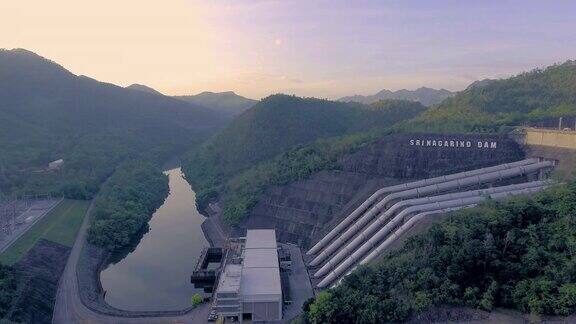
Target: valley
{"type": "Point", "coordinates": [218, 189]}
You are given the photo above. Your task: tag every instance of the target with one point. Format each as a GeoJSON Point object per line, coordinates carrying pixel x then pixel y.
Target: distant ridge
{"type": "Point", "coordinates": [141, 87]}
{"type": "Point", "coordinates": [227, 103]}
{"type": "Point", "coordinates": [423, 95]}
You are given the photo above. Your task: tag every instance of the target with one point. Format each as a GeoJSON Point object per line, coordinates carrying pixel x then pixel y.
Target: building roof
{"type": "Point", "coordinates": [260, 282]}
{"type": "Point", "coordinates": [261, 258]}
{"type": "Point", "coordinates": [258, 277]}
{"type": "Point", "coordinates": [260, 271]}
{"type": "Point", "coordinates": [261, 239]}
{"type": "Point", "coordinates": [230, 279]}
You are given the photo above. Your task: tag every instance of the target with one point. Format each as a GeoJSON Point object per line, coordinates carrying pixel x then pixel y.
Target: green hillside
{"type": "Point", "coordinates": [48, 113]}
{"type": "Point", "coordinates": [276, 125]}
{"type": "Point", "coordinates": [487, 105]}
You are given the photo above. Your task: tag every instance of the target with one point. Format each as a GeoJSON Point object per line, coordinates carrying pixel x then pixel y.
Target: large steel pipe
{"type": "Point", "coordinates": [350, 246]}
{"type": "Point", "coordinates": [405, 186]}
{"type": "Point", "coordinates": [396, 221]}
{"type": "Point", "coordinates": [397, 234]}
{"type": "Point", "coordinates": [417, 192]}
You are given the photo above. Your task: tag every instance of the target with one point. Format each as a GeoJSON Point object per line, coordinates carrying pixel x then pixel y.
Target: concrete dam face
{"type": "Point", "coordinates": [302, 211]}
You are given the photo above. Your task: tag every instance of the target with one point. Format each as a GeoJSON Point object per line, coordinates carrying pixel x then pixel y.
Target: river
{"type": "Point", "coordinates": [156, 275]}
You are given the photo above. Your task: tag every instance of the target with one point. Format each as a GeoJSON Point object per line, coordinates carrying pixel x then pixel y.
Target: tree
{"type": "Point", "coordinates": [196, 300]}
{"type": "Point", "coordinates": [322, 309]}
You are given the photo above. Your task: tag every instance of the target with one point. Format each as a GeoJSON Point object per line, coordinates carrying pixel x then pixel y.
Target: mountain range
{"type": "Point", "coordinates": [226, 103]}
{"type": "Point", "coordinates": [423, 95]}
{"type": "Point", "coordinates": [48, 113]}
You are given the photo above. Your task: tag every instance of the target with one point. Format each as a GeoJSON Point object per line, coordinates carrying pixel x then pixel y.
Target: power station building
{"type": "Point", "coordinates": [249, 287]}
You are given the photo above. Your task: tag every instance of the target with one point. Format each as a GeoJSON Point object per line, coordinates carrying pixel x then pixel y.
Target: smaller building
{"type": "Point", "coordinates": [55, 165]}
{"type": "Point", "coordinates": [228, 292]}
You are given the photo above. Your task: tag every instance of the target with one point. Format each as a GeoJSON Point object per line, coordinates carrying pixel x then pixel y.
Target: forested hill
{"type": "Point", "coordinates": [279, 123]}
{"type": "Point", "coordinates": [227, 103]}
{"type": "Point", "coordinates": [423, 95]}
{"type": "Point", "coordinates": [48, 113]}
{"type": "Point", "coordinates": [486, 105]}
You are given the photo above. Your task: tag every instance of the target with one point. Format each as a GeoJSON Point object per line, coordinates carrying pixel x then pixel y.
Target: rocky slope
{"type": "Point", "coordinates": [302, 210]}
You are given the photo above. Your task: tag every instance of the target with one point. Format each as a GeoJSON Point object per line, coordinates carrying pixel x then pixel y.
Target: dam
{"type": "Point", "coordinates": [302, 211]}
{"type": "Point", "coordinates": [349, 216]}
{"type": "Point", "coordinates": [556, 138]}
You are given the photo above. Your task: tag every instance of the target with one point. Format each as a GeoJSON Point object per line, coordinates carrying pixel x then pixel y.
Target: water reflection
{"type": "Point", "coordinates": [156, 274]}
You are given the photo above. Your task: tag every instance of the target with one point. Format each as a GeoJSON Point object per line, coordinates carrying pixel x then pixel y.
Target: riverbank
{"type": "Point", "coordinates": [70, 307]}
{"type": "Point", "coordinates": [93, 260]}
{"type": "Point", "coordinates": [97, 269]}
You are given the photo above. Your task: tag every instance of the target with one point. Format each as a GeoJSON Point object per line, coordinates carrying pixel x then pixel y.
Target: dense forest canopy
{"type": "Point", "coordinates": [125, 204]}
{"type": "Point", "coordinates": [519, 253]}
{"type": "Point", "coordinates": [266, 138]}
{"type": "Point", "coordinates": [48, 113]}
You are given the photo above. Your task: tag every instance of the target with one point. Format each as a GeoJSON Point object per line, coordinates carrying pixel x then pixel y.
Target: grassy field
{"type": "Point", "coordinates": [60, 226]}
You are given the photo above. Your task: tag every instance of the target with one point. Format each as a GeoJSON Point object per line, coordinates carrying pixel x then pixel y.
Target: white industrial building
{"type": "Point", "coordinates": [250, 288]}
{"type": "Point", "coordinates": [55, 165]}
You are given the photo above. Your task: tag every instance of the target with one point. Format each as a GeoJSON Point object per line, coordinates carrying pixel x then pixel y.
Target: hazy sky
{"type": "Point", "coordinates": [312, 48]}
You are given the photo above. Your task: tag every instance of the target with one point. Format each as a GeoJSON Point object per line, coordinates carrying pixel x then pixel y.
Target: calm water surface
{"type": "Point", "coordinates": [156, 275]}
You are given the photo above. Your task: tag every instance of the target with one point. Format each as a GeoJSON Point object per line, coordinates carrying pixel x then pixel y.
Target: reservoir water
{"type": "Point", "coordinates": [156, 275]}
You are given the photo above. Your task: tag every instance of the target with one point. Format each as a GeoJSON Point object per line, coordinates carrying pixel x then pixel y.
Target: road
{"type": "Point", "coordinates": [300, 285]}
{"type": "Point", "coordinates": [69, 309]}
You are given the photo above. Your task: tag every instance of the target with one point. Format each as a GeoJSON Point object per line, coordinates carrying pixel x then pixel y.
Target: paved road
{"type": "Point", "coordinates": [300, 285]}
{"type": "Point", "coordinates": [69, 308]}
